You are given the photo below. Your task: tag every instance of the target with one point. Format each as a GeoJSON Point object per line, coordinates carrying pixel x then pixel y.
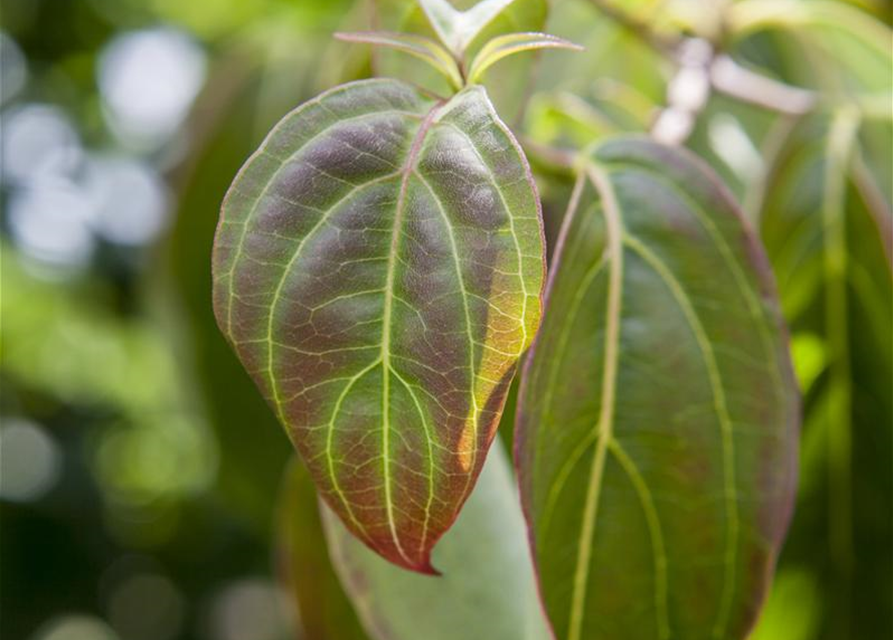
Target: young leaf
{"type": "Point", "coordinates": [378, 268]}
{"type": "Point", "coordinates": [488, 589]}
{"type": "Point", "coordinates": [658, 415]}
{"type": "Point", "coordinates": [418, 46]}
{"type": "Point", "coordinates": [507, 45]}
{"type": "Point", "coordinates": [457, 28]}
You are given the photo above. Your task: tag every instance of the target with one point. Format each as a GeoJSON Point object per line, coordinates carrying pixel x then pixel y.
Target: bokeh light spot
{"type": "Point", "coordinates": [29, 461]}
{"type": "Point", "coordinates": [148, 80]}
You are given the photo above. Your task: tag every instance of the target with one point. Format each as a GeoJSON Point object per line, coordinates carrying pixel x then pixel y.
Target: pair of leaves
{"type": "Point", "coordinates": [657, 423]}
{"type": "Point", "coordinates": [457, 29]}
{"type": "Point", "coordinates": [378, 268]}
{"type": "Point", "coordinates": [439, 58]}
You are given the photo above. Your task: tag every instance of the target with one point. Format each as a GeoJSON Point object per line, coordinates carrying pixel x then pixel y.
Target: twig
{"type": "Point", "coordinates": [726, 76]}
{"type": "Point", "coordinates": [735, 81]}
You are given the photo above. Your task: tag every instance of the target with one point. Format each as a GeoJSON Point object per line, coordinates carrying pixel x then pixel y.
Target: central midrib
{"type": "Point", "coordinates": [614, 228]}
{"type": "Point", "coordinates": [386, 322]}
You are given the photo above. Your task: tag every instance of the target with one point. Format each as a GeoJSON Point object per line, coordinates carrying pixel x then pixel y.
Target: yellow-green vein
{"type": "Point", "coordinates": [722, 412]}
{"type": "Point", "coordinates": [262, 150]}
{"type": "Point", "coordinates": [329, 436]}
{"type": "Point", "coordinates": [476, 410]}
{"type": "Point", "coordinates": [430, 445]}
{"type": "Point", "coordinates": [277, 294]}
{"type": "Point", "coordinates": [605, 426]}
{"type": "Point", "coordinates": [548, 395]}
{"type": "Point", "coordinates": [511, 218]}
{"type": "Point", "coordinates": [386, 323]}
{"type": "Point", "coordinates": [655, 532]}
{"type": "Point", "coordinates": [744, 286]}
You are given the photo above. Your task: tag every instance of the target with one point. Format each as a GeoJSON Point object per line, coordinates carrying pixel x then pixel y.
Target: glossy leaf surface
{"type": "Point", "coordinates": [658, 416]}
{"type": "Point", "coordinates": [378, 269]}
{"type": "Point", "coordinates": [487, 589]}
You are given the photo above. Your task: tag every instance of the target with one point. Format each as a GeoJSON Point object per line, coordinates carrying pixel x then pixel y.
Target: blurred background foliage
{"type": "Point", "coordinates": [141, 470]}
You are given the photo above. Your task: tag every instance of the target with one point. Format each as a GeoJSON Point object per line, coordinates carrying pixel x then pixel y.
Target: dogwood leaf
{"type": "Point", "coordinates": [657, 425]}
{"type": "Point", "coordinates": [377, 268]}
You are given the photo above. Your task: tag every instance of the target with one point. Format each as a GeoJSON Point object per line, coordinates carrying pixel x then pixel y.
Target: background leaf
{"type": "Point", "coordinates": [657, 423]}
{"type": "Point", "coordinates": [347, 256]}
{"type": "Point", "coordinates": [844, 517]}
{"type": "Point", "coordinates": [487, 589]}
{"type": "Point", "coordinates": [324, 612]}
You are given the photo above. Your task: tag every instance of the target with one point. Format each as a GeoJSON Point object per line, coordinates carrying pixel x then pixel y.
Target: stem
{"type": "Point", "coordinates": [841, 140]}
{"type": "Point", "coordinates": [726, 76]}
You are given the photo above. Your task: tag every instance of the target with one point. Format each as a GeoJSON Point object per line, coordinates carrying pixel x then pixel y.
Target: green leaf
{"type": "Point", "coordinates": [418, 46]}
{"type": "Point", "coordinates": [657, 427]}
{"type": "Point", "coordinates": [825, 224]}
{"type": "Point", "coordinates": [457, 28]}
{"type": "Point", "coordinates": [488, 589]}
{"type": "Point", "coordinates": [378, 268]}
{"type": "Point", "coordinates": [854, 47]}
{"type": "Point", "coordinates": [504, 46]}
{"type": "Point", "coordinates": [324, 611]}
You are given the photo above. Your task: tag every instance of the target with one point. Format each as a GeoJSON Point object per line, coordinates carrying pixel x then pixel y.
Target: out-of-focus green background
{"type": "Point", "coordinates": [140, 468]}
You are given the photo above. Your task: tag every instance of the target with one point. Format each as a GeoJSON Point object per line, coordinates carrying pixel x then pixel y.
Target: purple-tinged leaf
{"type": "Point", "coordinates": [378, 268]}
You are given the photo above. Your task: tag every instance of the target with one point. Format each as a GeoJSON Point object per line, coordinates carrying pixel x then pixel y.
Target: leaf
{"type": "Point", "coordinates": [458, 28]}
{"type": "Point", "coordinates": [504, 46]}
{"type": "Point", "coordinates": [657, 428]}
{"type": "Point", "coordinates": [488, 589]}
{"type": "Point", "coordinates": [825, 232]}
{"type": "Point", "coordinates": [418, 46]}
{"type": "Point", "coordinates": [854, 46]}
{"type": "Point", "coordinates": [378, 269]}
{"type": "Point", "coordinates": [323, 609]}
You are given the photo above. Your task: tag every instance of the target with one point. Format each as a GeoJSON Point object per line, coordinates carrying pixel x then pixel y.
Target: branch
{"type": "Point", "coordinates": [731, 79]}
{"type": "Point", "coordinates": [726, 76]}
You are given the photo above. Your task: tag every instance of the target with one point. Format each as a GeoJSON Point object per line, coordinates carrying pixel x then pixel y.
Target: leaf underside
{"type": "Point", "coordinates": [488, 590]}
{"type": "Point", "coordinates": [657, 425]}
{"type": "Point", "coordinates": [378, 268]}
